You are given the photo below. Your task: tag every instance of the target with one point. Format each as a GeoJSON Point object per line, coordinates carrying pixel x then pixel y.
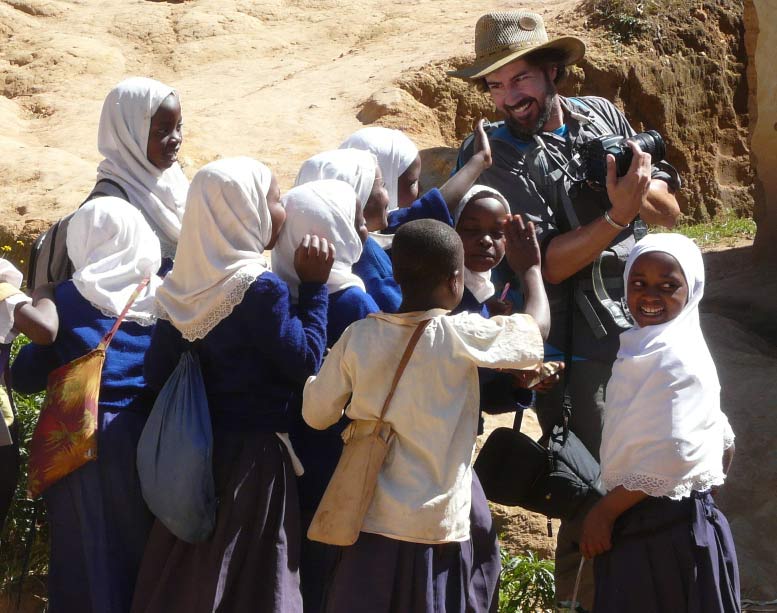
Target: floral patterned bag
{"type": "Point", "coordinates": [65, 437]}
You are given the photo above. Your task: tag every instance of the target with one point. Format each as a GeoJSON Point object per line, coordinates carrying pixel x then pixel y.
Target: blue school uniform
{"type": "Point", "coordinates": [98, 520]}
{"type": "Point", "coordinates": [254, 363]}
{"type": "Point", "coordinates": [374, 266]}
{"type": "Point", "coordinates": [319, 452]}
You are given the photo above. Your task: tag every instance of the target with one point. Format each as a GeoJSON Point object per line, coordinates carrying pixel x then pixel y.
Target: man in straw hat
{"type": "Point", "coordinates": [585, 231]}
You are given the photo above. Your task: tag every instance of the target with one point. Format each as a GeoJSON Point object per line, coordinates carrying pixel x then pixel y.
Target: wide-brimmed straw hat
{"type": "Point", "coordinates": [504, 36]}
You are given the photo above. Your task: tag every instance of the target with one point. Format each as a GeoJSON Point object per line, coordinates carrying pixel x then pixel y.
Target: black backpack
{"type": "Point", "coordinates": [49, 262]}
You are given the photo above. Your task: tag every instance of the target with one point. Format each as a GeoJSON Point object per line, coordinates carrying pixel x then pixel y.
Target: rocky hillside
{"type": "Point", "coordinates": [677, 67]}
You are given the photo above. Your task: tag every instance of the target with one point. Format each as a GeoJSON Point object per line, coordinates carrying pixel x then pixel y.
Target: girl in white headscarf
{"type": "Point", "coordinates": [660, 542]}
{"type": "Point", "coordinates": [98, 520]}
{"type": "Point", "coordinates": [329, 209]}
{"type": "Point", "coordinates": [398, 159]}
{"type": "Point", "coordinates": [478, 219]}
{"type": "Point", "coordinates": [139, 137]}
{"type": "Point", "coordinates": [255, 351]}
{"type": "Point", "coordinates": [361, 171]}
{"type": "Point", "coordinates": [375, 266]}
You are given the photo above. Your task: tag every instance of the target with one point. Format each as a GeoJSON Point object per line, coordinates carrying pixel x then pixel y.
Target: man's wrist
{"type": "Point", "coordinates": [614, 223]}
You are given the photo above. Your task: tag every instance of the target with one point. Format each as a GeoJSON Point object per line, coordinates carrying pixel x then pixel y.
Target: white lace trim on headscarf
{"type": "Point", "coordinates": [394, 150]}
{"type": "Point", "coordinates": [225, 229]}
{"type": "Point", "coordinates": [113, 249]}
{"type": "Point", "coordinates": [664, 432]}
{"type": "Point", "coordinates": [478, 283]}
{"type": "Point", "coordinates": [125, 123]}
{"type": "Point", "coordinates": [326, 209]}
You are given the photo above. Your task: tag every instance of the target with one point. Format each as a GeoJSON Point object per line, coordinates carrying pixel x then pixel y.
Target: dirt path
{"type": "Point", "coordinates": [277, 79]}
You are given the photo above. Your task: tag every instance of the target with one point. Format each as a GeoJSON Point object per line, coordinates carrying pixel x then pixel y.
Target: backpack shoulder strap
{"type": "Point", "coordinates": [107, 187]}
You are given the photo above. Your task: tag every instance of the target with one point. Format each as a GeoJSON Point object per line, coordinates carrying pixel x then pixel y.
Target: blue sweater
{"type": "Point", "coordinates": [345, 307]}
{"type": "Point", "coordinates": [255, 361]}
{"type": "Point", "coordinates": [81, 328]}
{"type": "Point", "coordinates": [319, 450]}
{"type": "Point", "coordinates": [374, 267]}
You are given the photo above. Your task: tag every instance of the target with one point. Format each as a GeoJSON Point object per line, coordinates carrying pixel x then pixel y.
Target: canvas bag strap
{"type": "Point", "coordinates": [402, 363]}
{"type": "Point", "coordinates": [109, 337]}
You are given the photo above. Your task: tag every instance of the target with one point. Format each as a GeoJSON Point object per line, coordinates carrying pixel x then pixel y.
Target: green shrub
{"type": "Point", "coordinates": [526, 584]}
{"type": "Point", "coordinates": [625, 21]}
{"type": "Point", "coordinates": [18, 529]}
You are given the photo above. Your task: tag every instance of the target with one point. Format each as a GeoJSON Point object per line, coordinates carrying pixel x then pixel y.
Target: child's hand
{"type": "Point", "coordinates": [499, 307]}
{"type": "Point", "coordinates": [521, 249]}
{"type": "Point", "coordinates": [313, 259]}
{"type": "Point", "coordinates": [596, 535]}
{"type": "Point", "coordinates": [482, 146]}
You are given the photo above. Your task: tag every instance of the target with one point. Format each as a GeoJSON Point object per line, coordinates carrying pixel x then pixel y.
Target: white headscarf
{"type": "Point", "coordinates": [354, 166]}
{"type": "Point", "coordinates": [113, 249]}
{"type": "Point", "coordinates": [225, 229]}
{"type": "Point", "coordinates": [123, 140]}
{"type": "Point", "coordinates": [664, 432]}
{"type": "Point", "coordinates": [326, 209]}
{"type": "Point", "coordinates": [479, 283]}
{"type": "Point", "coordinates": [394, 150]}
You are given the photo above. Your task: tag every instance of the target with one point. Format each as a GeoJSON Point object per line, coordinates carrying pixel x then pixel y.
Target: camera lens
{"type": "Point", "coordinates": [652, 143]}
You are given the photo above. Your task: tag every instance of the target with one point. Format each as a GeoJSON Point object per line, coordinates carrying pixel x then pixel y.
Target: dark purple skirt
{"type": "Point", "coordinates": [251, 563]}
{"type": "Point", "coordinates": [482, 563]}
{"type": "Point", "coordinates": [98, 524]}
{"type": "Point", "coordinates": [378, 574]}
{"type": "Point", "coordinates": [669, 555]}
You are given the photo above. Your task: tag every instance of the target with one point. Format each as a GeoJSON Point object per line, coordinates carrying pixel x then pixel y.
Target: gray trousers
{"type": "Point", "coordinates": [587, 383]}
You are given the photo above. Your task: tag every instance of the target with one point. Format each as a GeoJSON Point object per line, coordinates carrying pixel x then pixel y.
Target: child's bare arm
{"type": "Point", "coordinates": [523, 256]}
{"type": "Point", "coordinates": [454, 188]}
{"type": "Point", "coordinates": [596, 535]}
{"type": "Point", "coordinates": [38, 319]}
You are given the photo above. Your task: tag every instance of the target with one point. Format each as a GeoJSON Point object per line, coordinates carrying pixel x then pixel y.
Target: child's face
{"type": "Point", "coordinates": [481, 230]}
{"type": "Point", "coordinates": [407, 184]}
{"type": "Point", "coordinates": [657, 290]}
{"type": "Point", "coordinates": [376, 207]}
{"type": "Point", "coordinates": [165, 135]}
{"type": "Point", "coordinates": [360, 224]}
{"type": "Point", "coordinates": [277, 212]}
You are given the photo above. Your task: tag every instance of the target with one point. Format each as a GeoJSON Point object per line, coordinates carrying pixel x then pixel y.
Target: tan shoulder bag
{"type": "Point", "coordinates": [340, 514]}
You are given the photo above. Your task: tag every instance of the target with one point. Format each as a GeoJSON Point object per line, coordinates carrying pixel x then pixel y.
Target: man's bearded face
{"type": "Point", "coordinates": [524, 95]}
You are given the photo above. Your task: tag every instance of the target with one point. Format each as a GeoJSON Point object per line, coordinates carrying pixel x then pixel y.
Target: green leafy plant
{"type": "Point", "coordinates": [24, 539]}
{"type": "Point", "coordinates": [625, 20]}
{"type": "Point", "coordinates": [526, 584]}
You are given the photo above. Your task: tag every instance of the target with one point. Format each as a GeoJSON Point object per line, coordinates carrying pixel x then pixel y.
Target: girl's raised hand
{"type": "Point", "coordinates": [313, 259]}
{"type": "Point", "coordinates": [482, 146]}
{"type": "Point", "coordinates": [522, 249]}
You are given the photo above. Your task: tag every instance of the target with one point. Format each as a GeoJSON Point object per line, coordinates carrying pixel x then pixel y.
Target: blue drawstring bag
{"type": "Point", "coordinates": [175, 454]}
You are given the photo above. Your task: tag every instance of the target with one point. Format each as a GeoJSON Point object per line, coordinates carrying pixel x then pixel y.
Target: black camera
{"type": "Point", "coordinates": [594, 153]}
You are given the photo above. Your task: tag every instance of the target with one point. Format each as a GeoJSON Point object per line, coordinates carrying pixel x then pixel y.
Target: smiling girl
{"type": "Point", "coordinates": [140, 135]}
{"type": "Point", "coordinates": [660, 542]}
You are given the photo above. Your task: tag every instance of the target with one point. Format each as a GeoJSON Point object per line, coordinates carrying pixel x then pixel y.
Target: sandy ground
{"type": "Point", "coordinates": [278, 80]}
